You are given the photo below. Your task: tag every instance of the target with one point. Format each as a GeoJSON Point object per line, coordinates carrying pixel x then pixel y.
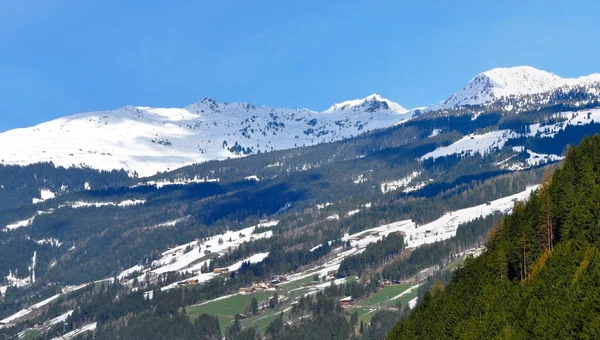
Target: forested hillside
{"type": "Point", "coordinates": [540, 276]}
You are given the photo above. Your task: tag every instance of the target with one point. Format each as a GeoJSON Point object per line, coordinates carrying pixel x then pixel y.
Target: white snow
{"type": "Point", "coordinates": [203, 277]}
{"type": "Point", "coordinates": [353, 212]}
{"type": "Point", "coordinates": [146, 140]}
{"type": "Point", "coordinates": [360, 179]}
{"type": "Point", "coordinates": [541, 158]}
{"type": "Point", "coordinates": [417, 186]}
{"type": "Point", "coordinates": [413, 303]}
{"type": "Point", "coordinates": [72, 334]}
{"type": "Point", "coordinates": [446, 226]}
{"type": "Point", "coordinates": [178, 260]}
{"type": "Point", "coordinates": [256, 258]}
{"type": "Point", "coordinates": [45, 302]}
{"type": "Point", "coordinates": [570, 118]}
{"type": "Point", "coordinates": [20, 224]}
{"type": "Point", "coordinates": [51, 241]}
{"type": "Point", "coordinates": [434, 133]}
{"type": "Point", "coordinates": [323, 206]}
{"type": "Point", "coordinates": [32, 266]}
{"type": "Point", "coordinates": [183, 260]}
{"type": "Point", "coordinates": [406, 292]}
{"type": "Point", "coordinates": [26, 311]}
{"type": "Point", "coordinates": [374, 100]}
{"type": "Point", "coordinates": [61, 318]}
{"type": "Point", "coordinates": [333, 217]}
{"type": "Point", "coordinates": [510, 81]}
{"type": "Point", "coordinates": [27, 222]}
{"type": "Point", "coordinates": [16, 316]}
{"type": "Point", "coordinates": [169, 223]}
{"type": "Point", "coordinates": [414, 235]}
{"type": "Point", "coordinates": [45, 194]}
{"type": "Point", "coordinates": [473, 144]}
{"type": "Point", "coordinates": [178, 181]}
{"type": "Point", "coordinates": [82, 204]}
{"type": "Point", "coordinates": [403, 182]}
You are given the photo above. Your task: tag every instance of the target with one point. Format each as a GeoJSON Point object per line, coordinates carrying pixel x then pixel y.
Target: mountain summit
{"type": "Point", "coordinates": [372, 103]}
{"type": "Point", "coordinates": [510, 81]}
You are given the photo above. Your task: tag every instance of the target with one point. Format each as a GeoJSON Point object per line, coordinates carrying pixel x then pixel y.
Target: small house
{"type": "Point", "coordinates": [347, 301]}
{"type": "Point", "coordinates": [240, 316]}
{"type": "Point", "coordinates": [193, 282]}
{"type": "Point", "coordinates": [384, 282]}
{"type": "Point", "coordinates": [247, 290]}
{"type": "Point", "coordinates": [221, 270]}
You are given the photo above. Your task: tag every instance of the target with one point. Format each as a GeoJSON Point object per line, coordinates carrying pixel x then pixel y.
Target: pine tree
{"type": "Point", "coordinates": [253, 306]}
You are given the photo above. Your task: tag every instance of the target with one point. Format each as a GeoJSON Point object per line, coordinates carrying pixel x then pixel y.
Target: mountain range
{"type": "Point", "coordinates": [144, 140]}
{"type": "Point", "coordinates": [375, 202]}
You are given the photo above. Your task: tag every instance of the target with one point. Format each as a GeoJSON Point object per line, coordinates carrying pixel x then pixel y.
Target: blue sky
{"type": "Point", "coordinates": [69, 56]}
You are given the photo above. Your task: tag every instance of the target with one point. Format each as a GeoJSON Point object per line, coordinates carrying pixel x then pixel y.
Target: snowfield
{"type": "Point", "coordinates": [45, 195]}
{"type": "Point", "coordinates": [192, 256]}
{"type": "Point", "coordinates": [27, 222]}
{"type": "Point", "coordinates": [571, 118]}
{"type": "Point", "coordinates": [473, 144]}
{"type": "Point", "coordinates": [446, 226]}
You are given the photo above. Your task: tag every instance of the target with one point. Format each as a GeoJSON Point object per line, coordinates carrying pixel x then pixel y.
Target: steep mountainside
{"type": "Point", "coordinates": [539, 277]}
{"type": "Point", "coordinates": [147, 140]}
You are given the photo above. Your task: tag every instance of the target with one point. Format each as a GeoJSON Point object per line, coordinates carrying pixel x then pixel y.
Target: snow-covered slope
{"type": "Point", "coordinates": [511, 81]}
{"type": "Point", "coordinates": [147, 140]}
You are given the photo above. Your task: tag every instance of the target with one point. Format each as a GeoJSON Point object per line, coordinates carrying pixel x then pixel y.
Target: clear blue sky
{"type": "Point", "coordinates": [69, 56]}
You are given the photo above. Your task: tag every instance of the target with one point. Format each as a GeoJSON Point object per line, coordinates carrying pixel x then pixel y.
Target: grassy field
{"type": "Point", "coordinates": [383, 296]}
{"type": "Point", "coordinates": [226, 308]}
{"type": "Point", "coordinates": [32, 334]}
{"type": "Point", "coordinates": [407, 297]}
{"type": "Point", "coordinates": [364, 313]}
{"type": "Point", "coordinates": [261, 322]}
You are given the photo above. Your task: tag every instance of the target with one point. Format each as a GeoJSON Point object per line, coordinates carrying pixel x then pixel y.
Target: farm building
{"type": "Point", "coordinates": [347, 301]}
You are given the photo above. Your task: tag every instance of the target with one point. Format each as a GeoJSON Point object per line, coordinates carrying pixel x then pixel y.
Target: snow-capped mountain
{"type": "Point", "coordinates": [148, 140]}
{"type": "Point", "coordinates": [372, 103]}
{"type": "Point", "coordinates": [502, 83]}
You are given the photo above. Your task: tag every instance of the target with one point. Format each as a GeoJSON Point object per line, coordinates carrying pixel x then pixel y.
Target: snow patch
{"type": "Point", "coordinates": [395, 185]}
{"type": "Point", "coordinates": [474, 144]}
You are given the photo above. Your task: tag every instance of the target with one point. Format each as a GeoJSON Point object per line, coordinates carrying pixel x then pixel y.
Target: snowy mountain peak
{"type": "Point", "coordinates": [503, 82]}
{"type": "Point", "coordinates": [371, 104]}
{"type": "Point", "coordinates": [510, 81]}
{"type": "Point", "coordinates": [146, 140]}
